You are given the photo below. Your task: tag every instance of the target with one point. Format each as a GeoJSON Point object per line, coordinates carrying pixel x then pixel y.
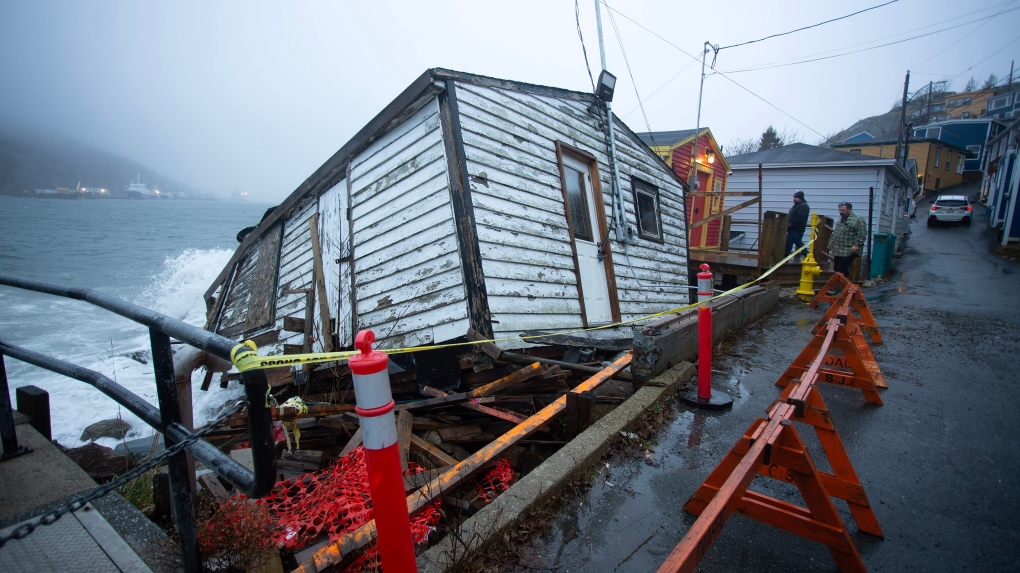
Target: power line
{"type": "Point", "coordinates": [798, 62]}
{"type": "Point", "coordinates": [962, 38]}
{"type": "Point", "coordinates": [629, 72]}
{"type": "Point", "coordinates": [986, 59]}
{"type": "Point", "coordinates": [807, 27]}
{"type": "Point", "coordinates": [577, 18]}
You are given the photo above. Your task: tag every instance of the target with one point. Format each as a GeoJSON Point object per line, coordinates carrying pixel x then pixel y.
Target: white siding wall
{"type": "Point", "coordinates": [824, 189]}
{"type": "Point", "coordinates": [333, 240]}
{"type": "Point", "coordinates": [297, 272]}
{"type": "Point", "coordinates": [510, 143]}
{"type": "Point", "coordinates": [408, 278]}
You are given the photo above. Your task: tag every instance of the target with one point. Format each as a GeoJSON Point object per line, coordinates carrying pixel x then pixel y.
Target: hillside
{"type": "Point", "coordinates": [29, 162]}
{"type": "Point", "coordinates": [882, 126]}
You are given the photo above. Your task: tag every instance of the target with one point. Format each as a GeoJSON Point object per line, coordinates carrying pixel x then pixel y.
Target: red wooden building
{"type": "Point", "coordinates": [676, 148]}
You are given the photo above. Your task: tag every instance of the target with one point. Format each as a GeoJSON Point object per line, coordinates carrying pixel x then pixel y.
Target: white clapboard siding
{"type": "Point", "coordinates": [660, 268]}
{"type": "Point", "coordinates": [824, 187]}
{"type": "Point", "coordinates": [510, 142]}
{"type": "Point", "coordinates": [408, 280]}
{"type": "Point", "coordinates": [334, 233]}
{"type": "Point", "coordinates": [296, 271]}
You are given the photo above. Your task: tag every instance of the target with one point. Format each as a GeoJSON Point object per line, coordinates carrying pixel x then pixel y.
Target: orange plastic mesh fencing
{"type": "Point", "coordinates": [334, 501]}
{"type": "Point", "coordinates": [498, 480]}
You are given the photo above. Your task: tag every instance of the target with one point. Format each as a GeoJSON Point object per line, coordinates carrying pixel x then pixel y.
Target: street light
{"type": "Point", "coordinates": [606, 87]}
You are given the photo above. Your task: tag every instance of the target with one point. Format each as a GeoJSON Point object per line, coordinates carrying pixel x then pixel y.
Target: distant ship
{"type": "Point", "coordinates": [137, 190]}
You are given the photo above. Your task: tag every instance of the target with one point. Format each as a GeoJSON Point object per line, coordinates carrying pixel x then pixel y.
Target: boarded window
{"type": "Point", "coordinates": [646, 202]}
{"type": "Point", "coordinates": [250, 303]}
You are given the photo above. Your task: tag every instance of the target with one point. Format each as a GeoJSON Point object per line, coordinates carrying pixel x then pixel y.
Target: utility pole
{"type": "Point", "coordinates": [927, 115]}
{"type": "Point", "coordinates": [1009, 87]}
{"type": "Point", "coordinates": [692, 180]}
{"type": "Point", "coordinates": [903, 117]}
{"type": "Point", "coordinates": [618, 219]}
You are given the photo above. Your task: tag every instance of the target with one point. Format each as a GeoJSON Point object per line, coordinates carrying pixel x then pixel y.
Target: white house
{"type": "Point", "coordinates": [877, 187]}
{"type": "Point", "coordinates": [468, 203]}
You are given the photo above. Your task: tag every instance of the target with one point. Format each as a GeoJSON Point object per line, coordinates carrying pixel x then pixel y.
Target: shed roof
{"type": "Point", "coordinates": [804, 155]}
{"type": "Point", "coordinates": [670, 138]}
{"type": "Point", "coordinates": [413, 98]}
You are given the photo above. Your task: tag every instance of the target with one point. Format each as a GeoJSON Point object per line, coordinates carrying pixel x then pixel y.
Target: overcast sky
{"type": "Point", "coordinates": [257, 95]}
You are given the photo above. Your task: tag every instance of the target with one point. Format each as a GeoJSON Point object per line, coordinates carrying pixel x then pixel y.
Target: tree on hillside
{"type": "Point", "coordinates": [971, 85]}
{"type": "Point", "coordinates": [990, 82]}
{"type": "Point", "coordinates": [741, 146]}
{"type": "Point", "coordinates": [769, 139]}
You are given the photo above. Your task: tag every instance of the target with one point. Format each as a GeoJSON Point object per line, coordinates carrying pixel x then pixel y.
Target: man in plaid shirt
{"type": "Point", "coordinates": [847, 240]}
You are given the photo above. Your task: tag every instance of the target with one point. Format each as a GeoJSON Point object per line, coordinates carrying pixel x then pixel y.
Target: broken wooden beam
{"type": "Point", "coordinates": [335, 552]}
{"type": "Point", "coordinates": [495, 412]}
{"type": "Point", "coordinates": [521, 375]}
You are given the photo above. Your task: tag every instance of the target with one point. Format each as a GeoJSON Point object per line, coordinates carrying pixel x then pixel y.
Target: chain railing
{"type": "Point", "coordinates": [25, 529]}
{"type": "Point", "coordinates": [167, 418]}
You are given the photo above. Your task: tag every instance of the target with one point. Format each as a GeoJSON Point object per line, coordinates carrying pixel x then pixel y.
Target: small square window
{"type": "Point", "coordinates": [646, 205]}
{"type": "Point", "coordinates": [966, 101]}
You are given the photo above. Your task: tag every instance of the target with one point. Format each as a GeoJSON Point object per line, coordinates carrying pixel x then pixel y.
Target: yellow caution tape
{"type": "Point", "coordinates": [245, 355]}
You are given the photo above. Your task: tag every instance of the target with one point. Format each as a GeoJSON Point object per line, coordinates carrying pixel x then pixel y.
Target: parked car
{"type": "Point", "coordinates": [950, 209]}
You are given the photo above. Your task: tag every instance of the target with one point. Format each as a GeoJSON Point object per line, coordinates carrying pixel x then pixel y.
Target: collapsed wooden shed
{"type": "Point", "coordinates": [468, 203]}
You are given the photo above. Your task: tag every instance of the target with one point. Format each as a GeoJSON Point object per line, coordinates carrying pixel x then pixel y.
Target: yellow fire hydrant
{"type": "Point", "coordinates": [809, 268]}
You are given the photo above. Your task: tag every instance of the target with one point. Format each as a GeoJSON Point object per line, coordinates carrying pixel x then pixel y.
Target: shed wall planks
{"type": "Point", "coordinates": [409, 284]}
{"type": "Point", "coordinates": [510, 140]}
{"type": "Point", "coordinates": [824, 188]}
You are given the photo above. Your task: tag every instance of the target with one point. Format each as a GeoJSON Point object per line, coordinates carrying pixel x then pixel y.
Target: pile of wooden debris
{"type": "Point", "coordinates": [521, 410]}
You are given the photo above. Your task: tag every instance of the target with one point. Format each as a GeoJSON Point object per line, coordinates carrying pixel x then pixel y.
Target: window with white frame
{"type": "Point", "coordinates": [959, 163]}
{"type": "Point", "coordinates": [949, 159]}
{"type": "Point", "coordinates": [646, 206]}
{"type": "Point", "coordinates": [938, 153]}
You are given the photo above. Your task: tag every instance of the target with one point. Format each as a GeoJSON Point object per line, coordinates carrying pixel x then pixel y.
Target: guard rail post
{"type": "Point", "coordinates": [177, 466]}
{"type": "Point", "coordinates": [702, 398]}
{"type": "Point", "coordinates": [8, 433]}
{"type": "Point", "coordinates": [382, 454]}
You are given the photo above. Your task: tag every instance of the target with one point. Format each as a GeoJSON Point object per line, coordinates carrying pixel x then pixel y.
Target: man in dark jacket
{"type": "Point", "coordinates": [796, 222]}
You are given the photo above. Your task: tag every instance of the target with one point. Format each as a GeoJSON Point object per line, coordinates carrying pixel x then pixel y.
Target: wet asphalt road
{"type": "Point", "coordinates": [940, 461]}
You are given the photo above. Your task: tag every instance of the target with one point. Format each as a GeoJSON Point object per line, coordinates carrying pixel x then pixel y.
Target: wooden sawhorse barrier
{"type": "Point", "coordinates": [771, 447]}
{"type": "Point", "coordinates": [851, 301]}
{"type": "Point", "coordinates": [836, 282]}
{"type": "Point", "coordinates": [847, 360]}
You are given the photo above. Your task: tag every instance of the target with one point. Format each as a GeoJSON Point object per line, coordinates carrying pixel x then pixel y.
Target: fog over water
{"type": "Point", "coordinates": [254, 96]}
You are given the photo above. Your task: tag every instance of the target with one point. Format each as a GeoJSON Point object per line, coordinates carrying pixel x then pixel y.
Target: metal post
{"type": "Point", "coordinates": [382, 454]}
{"type": "Point", "coordinates": [903, 117]}
{"type": "Point", "coordinates": [8, 434]}
{"type": "Point", "coordinates": [618, 217]}
{"type": "Point", "coordinates": [177, 466]}
{"type": "Point", "coordinates": [871, 215]}
{"type": "Point", "coordinates": [702, 397]}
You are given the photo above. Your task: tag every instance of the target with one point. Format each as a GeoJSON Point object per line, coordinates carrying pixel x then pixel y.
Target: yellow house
{"type": "Point", "coordinates": [939, 164]}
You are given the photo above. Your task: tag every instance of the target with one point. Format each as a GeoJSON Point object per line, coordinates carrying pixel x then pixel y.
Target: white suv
{"type": "Point", "coordinates": [950, 208]}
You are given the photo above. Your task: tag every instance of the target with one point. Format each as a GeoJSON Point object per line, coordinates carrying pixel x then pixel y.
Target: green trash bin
{"type": "Point", "coordinates": [881, 254]}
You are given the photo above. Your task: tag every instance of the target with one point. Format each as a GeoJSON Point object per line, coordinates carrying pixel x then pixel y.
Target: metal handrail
{"type": "Point", "coordinates": [167, 418]}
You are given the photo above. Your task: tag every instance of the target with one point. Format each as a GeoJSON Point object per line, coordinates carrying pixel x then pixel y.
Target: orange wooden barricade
{"type": "Point", "coordinates": [836, 281]}
{"type": "Point", "coordinates": [847, 361]}
{"type": "Point", "coordinates": [852, 302]}
{"type": "Point", "coordinates": [767, 444]}
{"type": "Point", "coordinates": [771, 447]}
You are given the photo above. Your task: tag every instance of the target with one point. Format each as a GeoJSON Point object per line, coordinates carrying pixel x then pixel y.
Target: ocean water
{"type": "Point", "coordinates": [160, 254]}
